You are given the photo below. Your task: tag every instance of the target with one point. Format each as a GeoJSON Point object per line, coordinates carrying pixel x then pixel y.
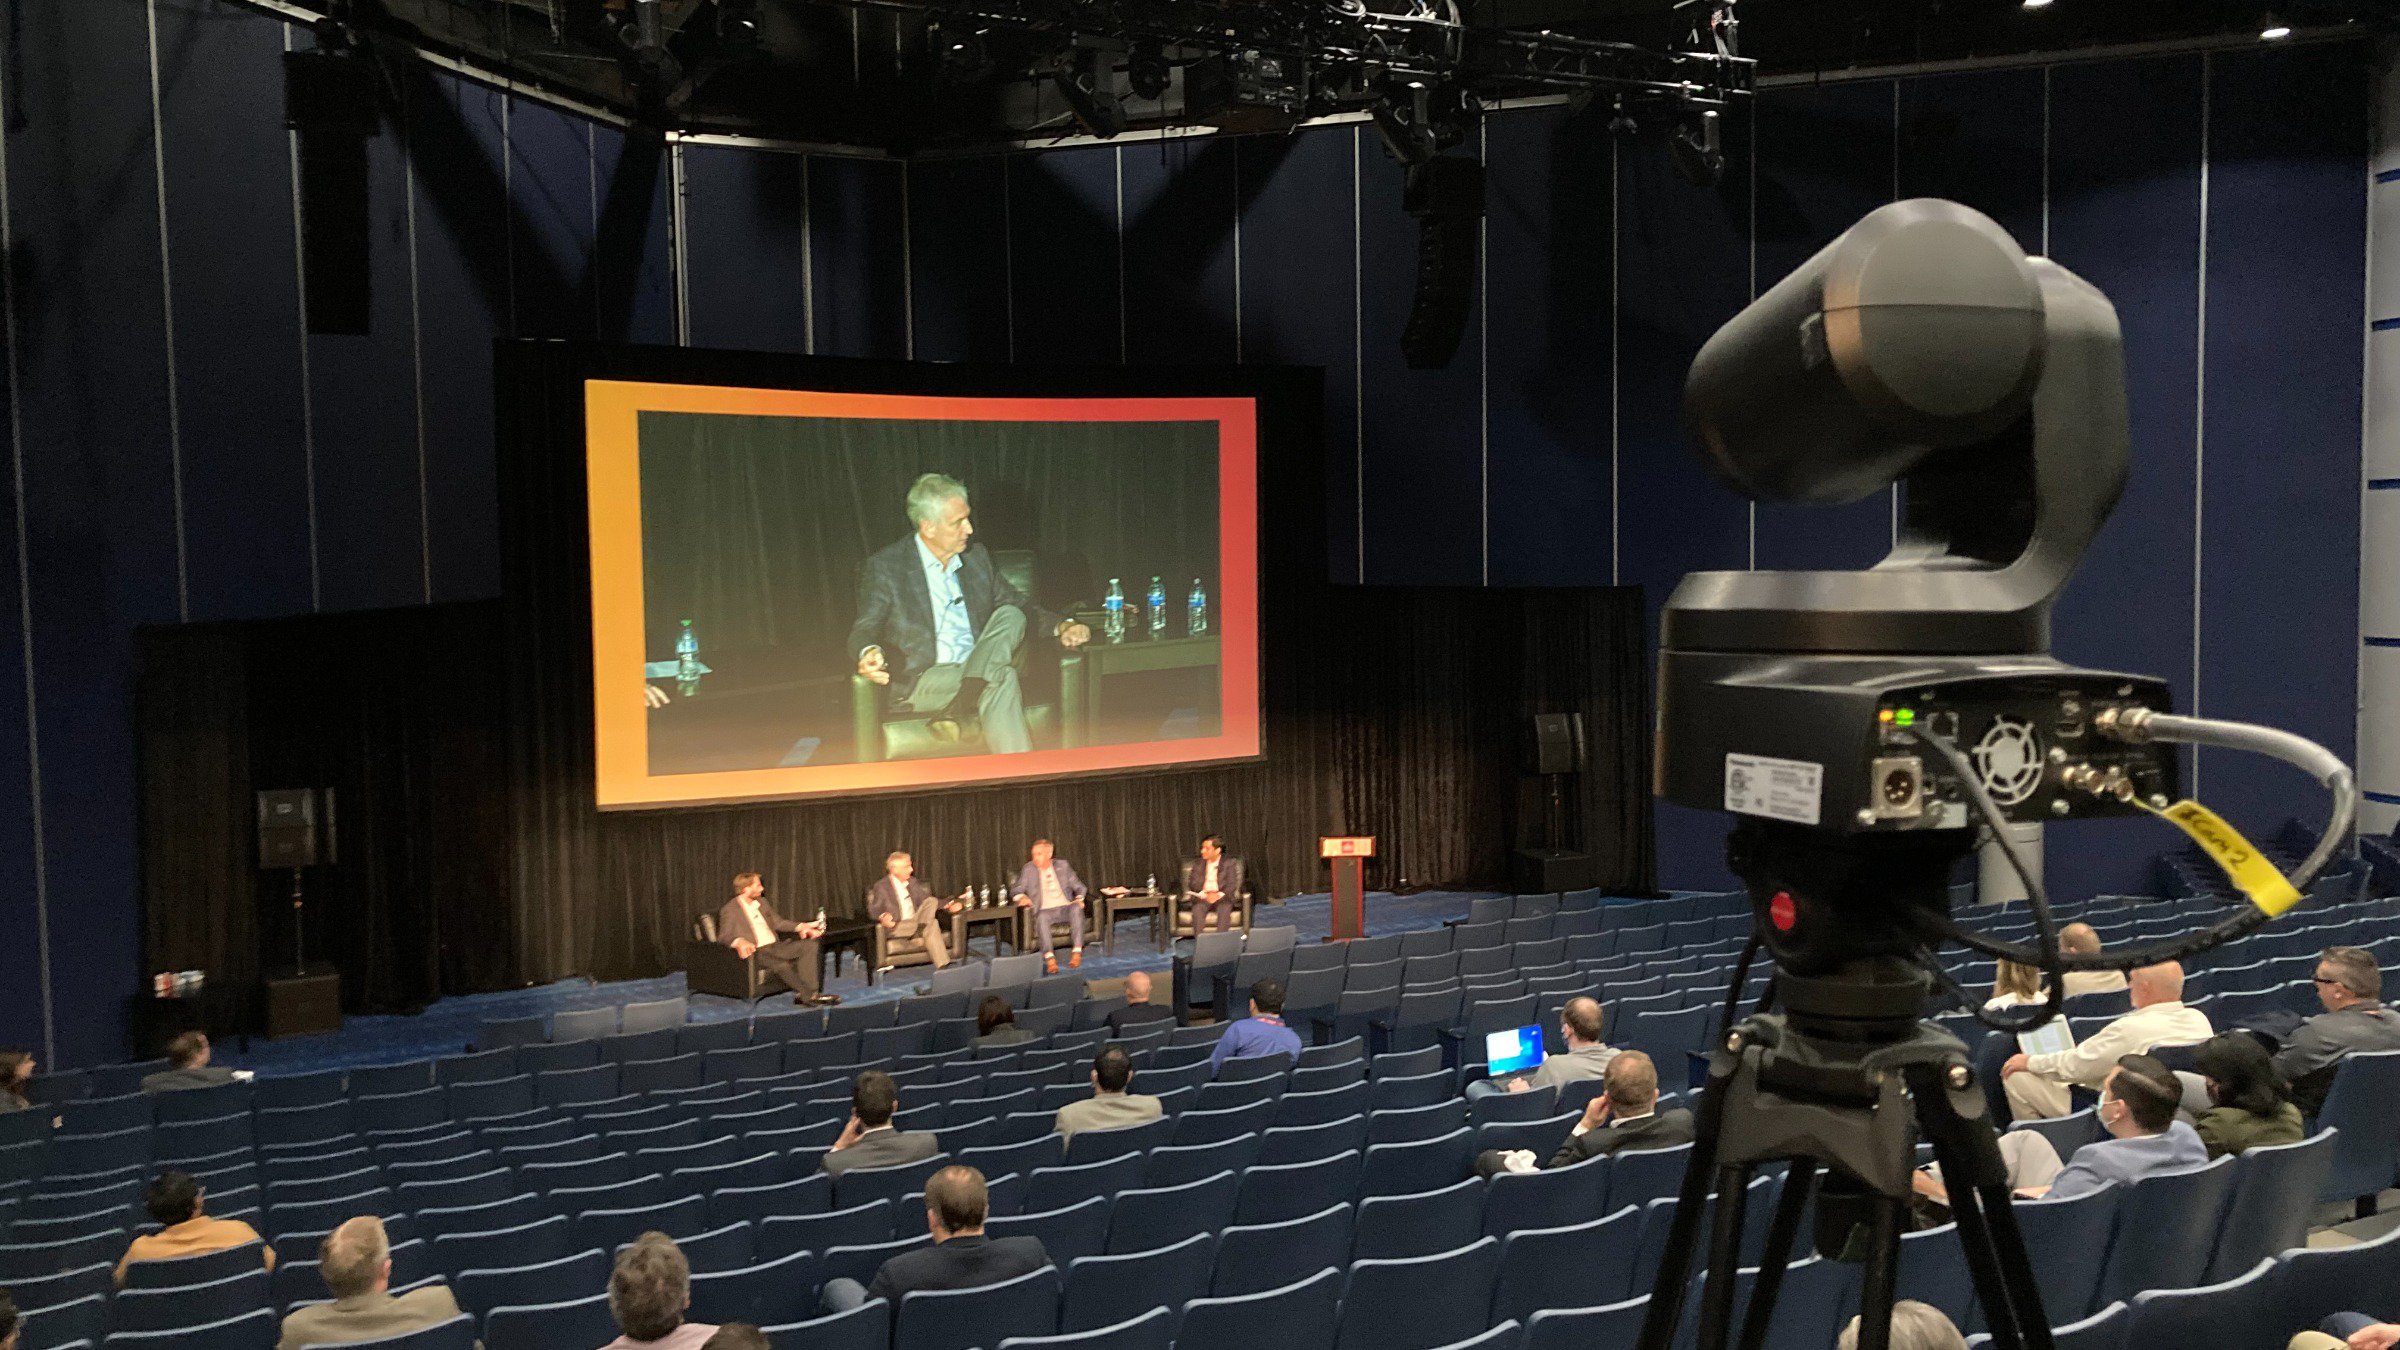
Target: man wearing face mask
{"type": "Point", "coordinates": [2137, 1105]}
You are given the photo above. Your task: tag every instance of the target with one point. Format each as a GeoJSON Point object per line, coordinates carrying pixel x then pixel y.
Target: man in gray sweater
{"type": "Point", "coordinates": [1110, 1105]}
{"type": "Point", "coordinates": [2350, 987]}
{"type": "Point", "coordinates": [1586, 1057]}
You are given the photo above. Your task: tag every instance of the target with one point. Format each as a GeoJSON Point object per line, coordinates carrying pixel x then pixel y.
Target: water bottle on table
{"type": "Point", "coordinates": [1158, 609]}
{"type": "Point", "coordinates": [1195, 611]}
{"type": "Point", "coordinates": [687, 660]}
{"type": "Point", "coordinates": [1113, 626]}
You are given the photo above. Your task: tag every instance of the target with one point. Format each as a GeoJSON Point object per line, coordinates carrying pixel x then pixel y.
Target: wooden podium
{"type": "Point", "coordinates": [1348, 854]}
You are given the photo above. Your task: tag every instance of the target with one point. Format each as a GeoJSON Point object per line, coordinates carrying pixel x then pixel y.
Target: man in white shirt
{"type": "Point", "coordinates": [938, 625]}
{"type": "Point", "coordinates": [787, 950]}
{"type": "Point", "coordinates": [2037, 1084]}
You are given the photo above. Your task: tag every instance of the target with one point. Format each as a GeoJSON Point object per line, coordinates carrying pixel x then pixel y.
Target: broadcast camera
{"type": "Point", "coordinates": [1864, 727]}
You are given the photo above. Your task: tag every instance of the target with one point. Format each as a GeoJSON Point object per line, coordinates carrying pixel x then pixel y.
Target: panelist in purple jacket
{"type": "Point", "coordinates": [1048, 886]}
{"type": "Point", "coordinates": [938, 625]}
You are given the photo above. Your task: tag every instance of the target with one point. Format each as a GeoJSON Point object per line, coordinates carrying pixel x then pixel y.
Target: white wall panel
{"type": "Point", "coordinates": [2383, 400]}
{"type": "Point", "coordinates": [2379, 574]}
{"type": "Point", "coordinates": [2379, 722]}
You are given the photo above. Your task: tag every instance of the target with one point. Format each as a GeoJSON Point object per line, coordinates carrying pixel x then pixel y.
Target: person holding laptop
{"type": "Point", "coordinates": [1587, 1056]}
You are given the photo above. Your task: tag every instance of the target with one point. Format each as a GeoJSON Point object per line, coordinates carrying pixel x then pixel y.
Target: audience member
{"type": "Point", "coordinates": [996, 1024]}
{"type": "Point", "coordinates": [356, 1262]}
{"type": "Point", "coordinates": [1138, 1011]}
{"type": "Point", "coordinates": [1623, 1119]}
{"type": "Point", "coordinates": [2037, 1084]}
{"type": "Point", "coordinates": [1915, 1326]}
{"type": "Point", "coordinates": [1110, 1105]}
{"type": "Point", "coordinates": [2015, 986]}
{"type": "Point", "coordinates": [2248, 1105]}
{"type": "Point", "coordinates": [1261, 1033]}
{"type": "Point", "coordinates": [187, 1057]}
{"type": "Point", "coordinates": [648, 1293]}
{"type": "Point", "coordinates": [1586, 1057]}
{"type": "Point", "coordinates": [16, 1069]}
{"type": "Point", "coordinates": [2350, 987]}
{"type": "Point", "coordinates": [2079, 939]}
{"type": "Point", "coordinates": [175, 1203]}
{"type": "Point", "coordinates": [961, 1257]}
{"type": "Point", "coordinates": [737, 1336]}
{"type": "Point", "coordinates": [869, 1139]}
{"type": "Point", "coordinates": [10, 1328]}
{"type": "Point", "coordinates": [2137, 1107]}
{"type": "Point", "coordinates": [2028, 1158]}
{"type": "Point", "coordinates": [2348, 1331]}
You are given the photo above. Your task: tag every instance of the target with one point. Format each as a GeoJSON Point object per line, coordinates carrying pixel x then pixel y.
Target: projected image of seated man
{"type": "Point", "coordinates": [938, 626]}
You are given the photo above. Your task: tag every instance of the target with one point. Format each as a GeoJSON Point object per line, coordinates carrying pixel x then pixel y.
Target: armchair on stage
{"type": "Point", "coordinates": [884, 732]}
{"type": "Point", "coordinates": [711, 967]}
{"type": "Point", "coordinates": [892, 952]}
{"type": "Point", "coordinates": [1183, 908]}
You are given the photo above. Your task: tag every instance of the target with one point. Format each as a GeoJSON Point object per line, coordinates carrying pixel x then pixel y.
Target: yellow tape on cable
{"type": "Point", "coordinates": [2258, 878]}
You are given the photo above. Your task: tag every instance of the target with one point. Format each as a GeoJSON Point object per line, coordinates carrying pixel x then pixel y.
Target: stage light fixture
{"type": "Point", "coordinates": [2037, 4]}
{"type": "Point", "coordinates": [1087, 84]}
{"type": "Point", "coordinates": [1699, 150]}
{"type": "Point", "coordinates": [1147, 73]}
{"type": "Point", "coordinates": [2272, 27]}
{"type": "Point", "coordinates": [960, 53]}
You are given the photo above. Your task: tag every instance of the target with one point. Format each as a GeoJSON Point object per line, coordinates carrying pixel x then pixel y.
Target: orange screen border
{"type": "Point", "coordinates": [620, 717]}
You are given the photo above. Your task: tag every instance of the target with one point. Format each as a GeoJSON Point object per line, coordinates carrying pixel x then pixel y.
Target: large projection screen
{"type": "Point", "coordinates": [760, 556]}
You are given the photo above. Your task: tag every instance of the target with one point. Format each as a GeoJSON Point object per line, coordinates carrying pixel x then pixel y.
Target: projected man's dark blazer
{"type": "Point", "coordinates": [895, 612]}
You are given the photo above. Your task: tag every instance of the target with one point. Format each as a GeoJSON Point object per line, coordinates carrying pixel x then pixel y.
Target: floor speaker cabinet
{"type": "Point", "coordinates": [1548, 871]}
{"type": "Point", "coordinates": [299, 1004]}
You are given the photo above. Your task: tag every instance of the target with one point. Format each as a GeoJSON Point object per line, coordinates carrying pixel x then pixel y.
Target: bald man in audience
{"type": "Point", "coordinates": [356, 1261]}
{"type": "Point", "coordinates": [2037, 1085]}
{"type": "Point", "coordinates": [1139, 1012]}
{"type": "Point", "coordinates": [2078, 939]}
{"type": "Point", "coordinates": [1586, 1057]}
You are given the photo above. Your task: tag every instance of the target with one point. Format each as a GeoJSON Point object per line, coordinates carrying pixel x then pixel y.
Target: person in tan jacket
{"type": "Point", "coordinates": [174, 1200]}
{"type": "Point", "coordinates": [356, 1262]}
{"type": "Point", "coordinates": [1110, 1105]}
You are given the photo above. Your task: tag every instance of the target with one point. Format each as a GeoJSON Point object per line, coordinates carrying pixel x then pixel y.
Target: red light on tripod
{"type": "Point", "coordinates": [1783, 911]}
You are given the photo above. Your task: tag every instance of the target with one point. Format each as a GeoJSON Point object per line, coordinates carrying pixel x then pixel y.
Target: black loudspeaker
{"type": "Point", "coordinates": [329, 98]}
{"type": "Point", "coordinates": [1556, 743]}
{"type": "Point", "coordinates": [300, 1005]}
{"type": "Point", "coordinates": [295, 827]}
{"type": "Point", "coordinates": [1445, 194]}
{"type": "Point", "coordinates": [1548, 871]}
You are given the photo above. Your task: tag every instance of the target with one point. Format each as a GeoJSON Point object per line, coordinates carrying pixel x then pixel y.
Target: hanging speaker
{"type": "Point", "coordinates": [329, 100]}
{"type": "Point", "coordinates": [295, 828]}
{"type": "Point", "coordinates": [1554, 743]}
{"type": "Point", "coordinates": [1445, 194]}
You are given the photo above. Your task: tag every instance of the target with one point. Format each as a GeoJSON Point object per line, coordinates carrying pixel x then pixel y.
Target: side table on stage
{"type": "Point", "coordinates": [1349, 855]}
{"type": "Point", "coordinates": [1000, 918]}
{"type": "Point", "coordinates": [855, 936]}
{"type": "Point", "coordinates": [1115, 907]}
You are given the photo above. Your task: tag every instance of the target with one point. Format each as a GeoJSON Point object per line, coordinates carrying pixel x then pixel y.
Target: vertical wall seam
{"type": "Point", "coordinates": [33, 722]}
{"type": "Point", "coordinates": [1616, 367]}
{"type": "Point", "coordinates": [908, 265]}
{"type": "Point", "coordinates": [1483, 355]}
{"type": "Point", "coordinates": [2200, 398]}
{"type": "Point", "coordinates": [2378, 80]}
{"type": "Point", "coordinates": [591, 206]}
{"type": "Point", "coordinates": [508, 198]}
{"type": "Point", "coordinates": [416, 345]}
{"type": "Point", "coordinates": [1124, 348]}
{"type": "Point", "coordinates": [1751, 503]}
{"type": "Point", "coordinates": [1358, 347]}
{"type": "Point", "coordinates": [166, 297]}
{"type": "Point", "coordinates": [808, 260]}
{"type": "Point", "coordinates": [2046, 159]}
{"type": "Point", "coordinates": [679, 244]}
{"type": "Point", "coordinates": [1894, 489]}
{"type": "Point", "coordinates": [1008, 258]}
{"type": "Point", "coordinates": [1239, 349]}
{"type": "Point", "coordinates": [308, 391]}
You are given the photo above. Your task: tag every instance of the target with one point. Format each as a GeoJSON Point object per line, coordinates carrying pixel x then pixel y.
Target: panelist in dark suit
{"type": "Point", "coordinates": [789, 951]}
{"type": "Point", "coordinates": [1213, 881]}
{"type": "Point", "coordinates": [1623, 1119]}
{"type": "Point", "coordinates": [1048, 886]}
{"type": "Point", "coordinates": [961, 1257]}
{"type": "Point", "coordinates": [906, 905]}
{"type": "Point", "coordinates": [939, 627]}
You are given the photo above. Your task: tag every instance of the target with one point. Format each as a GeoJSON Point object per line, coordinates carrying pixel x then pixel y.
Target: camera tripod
{"type": "Point", "coordinates": [1842, 1081]}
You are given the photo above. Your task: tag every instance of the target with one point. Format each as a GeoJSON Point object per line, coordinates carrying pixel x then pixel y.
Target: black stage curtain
{"type": "Point", "coordinates": [401, 713]}
{"type": "Point", "coordinates": [1391, 712]}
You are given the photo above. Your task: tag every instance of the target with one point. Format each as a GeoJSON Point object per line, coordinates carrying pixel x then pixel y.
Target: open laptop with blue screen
{"type": "Point", "coordinates": [1507, 1052]}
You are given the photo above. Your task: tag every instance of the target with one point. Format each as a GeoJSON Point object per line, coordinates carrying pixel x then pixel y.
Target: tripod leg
{"type": "Point", "coordinates": [1797, 1183]}
{"type": "Point", "coordinates": [1675, 1264]}
{"type": "Point", "coordinates": [1987, 1229]}
{"type": "Point", "coordinates": [1724, 1255]}
{"type": "Point", "coordinates": [1882, 1279]}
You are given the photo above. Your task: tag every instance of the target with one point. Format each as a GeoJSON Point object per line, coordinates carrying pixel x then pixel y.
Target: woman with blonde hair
{"type": "Point", "coordinates": [2014, 986]}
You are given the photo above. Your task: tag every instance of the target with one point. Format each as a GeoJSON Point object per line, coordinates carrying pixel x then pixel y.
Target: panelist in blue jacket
{"type": "Point", "coordinates": [1048, 886]}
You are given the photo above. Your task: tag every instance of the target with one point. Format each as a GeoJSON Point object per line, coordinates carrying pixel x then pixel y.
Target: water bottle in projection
{"type": "Point", "coordinates": [1195, 611]}
{"type": "Point", "coordinates": [687, 660]}
{"type": "Point", "coordinates": [1113, 627]}
{"type": "Point", "coordinates": [1158, 608]}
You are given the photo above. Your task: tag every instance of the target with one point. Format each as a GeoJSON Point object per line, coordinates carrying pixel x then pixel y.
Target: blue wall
{"type": "Point", "coordinates": [182, 452]}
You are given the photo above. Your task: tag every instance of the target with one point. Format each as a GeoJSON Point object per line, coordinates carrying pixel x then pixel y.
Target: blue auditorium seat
{"type": "Point", "coordinates": [525, 1244]}
{"type": "Point", "coordinates": [1090, 1146]}
{"type": "Point", "coordinates": [1505, 1336]}
{"type": "Point", "coordinates": [417, 1109]}
{"type": "Point", "coordinates": [865, 1327]}
{"type": "Point", "coordinates": [2239, 1311]}
{"type": "Point", "coordinates": [1419, 1223]}
{"type": "Point", "coordinates": [861, 1263]}
{"type": "Point", "coordinates": [2275, 1189]}
{"type": "Point", "coordinates": [641, 1076]}
{"type": "Point", "coordinates": [1147, 1218]}
{"type": "Point", "coordinates": [210, 1103]}
{"type": "Point", "coordinates": [762, 1294]}
{"type": "Point", "coordinates": [1639, 1176]}
{"type": "Point", "coordinates": [79, 1321]}
{"type": "Point", "coordinates": [861, 1184]}
{"type": "Point", "coordinates": [1548, 1198]}
{"type": "Point", "coordinates": [811, 1194]}
{"type": "Point", "coordinates": [858, 1226]}
{"type": "Point", "coordinates": [2166, 1229]}
{"type": "Point", "coordinates": [382, 1080]}
{"type": "Point", "coordinates": [1104, 1290]}
{"type": "Point", "coordinates": [1153, 1330]}
{"type": "Point", "coordinates": [1175, 1166]}
{"type": "Point", "coordinates": [2103, 1330]}
{"type": "Point", "coordinates": [1395, 1093]}
{"type": "Point", "coordinates": [249, 1331]}
{"type": "Point", "coordinates": [663, 1014]}
{"type": "Point", "coordinates": [189, 1305]}
{"type": "Point", "coordinates": [2066, 1133]}
{"type": "Point", "coordinates": [1400, 1169]}
{"type": "Point", "coordinates": [1346, 1073]}
{"type": "Point", "coordinates": [577, 1324]}
{"type": "Point", "coordinates": [1209, 1127]}
{"type": "Point", "coordinates": [2366, 1152]}
{"type": "Point", "coordinates": [183, 1271]}
{"type": "Point", "coordinates": [1308, 1143]}
{"type": "Point", "coordinates": [1533, 1104]}
{"type": "Point", "coordinates": [2068, 1241]}
{"type": "Point", "coordinates": [1255, 1258]}
{"type": "Point", "coordinates": [583, 1024]}
{"type": "Point", "coordinates": [1601, 1252]}
{"type": "Point", "coordinates": [1933, 1270]}
{"type": "Point", "coordinates": [1538, 1137]}
{"type": "Point", "coordinates": [513, 1212]}
{"type": "Point", "coordinates": [509, 1032]}
{"type": "Point", "coordinates": [1302, 1313]}
{"type": "Point", "coordinates": [956, 1319]}
{"type": "Point", "coordinates": [46, 1291]}
{"type": "Point", "coordinates": [713, 1251]}
{"type": "Point", "coordinates": [480, 1291]}
{"type": "Point", "coordinates": [299, 1089]}
{"type": "Point", "coordinates": [1420, 1302]}
{"type": "Point", "coordinates": [1075, 1229]}
{"type": "Point", "coordinates": [1414, 1124]}
{"type": "Point", "coordinates": [557, 1058]}
{"type": "Point", "coordinates": [2314, 1282]}
{"type": "Point", "coordinates": [1272, 1194]}
{"type": "Point", "coordinates": [609, 1229]}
